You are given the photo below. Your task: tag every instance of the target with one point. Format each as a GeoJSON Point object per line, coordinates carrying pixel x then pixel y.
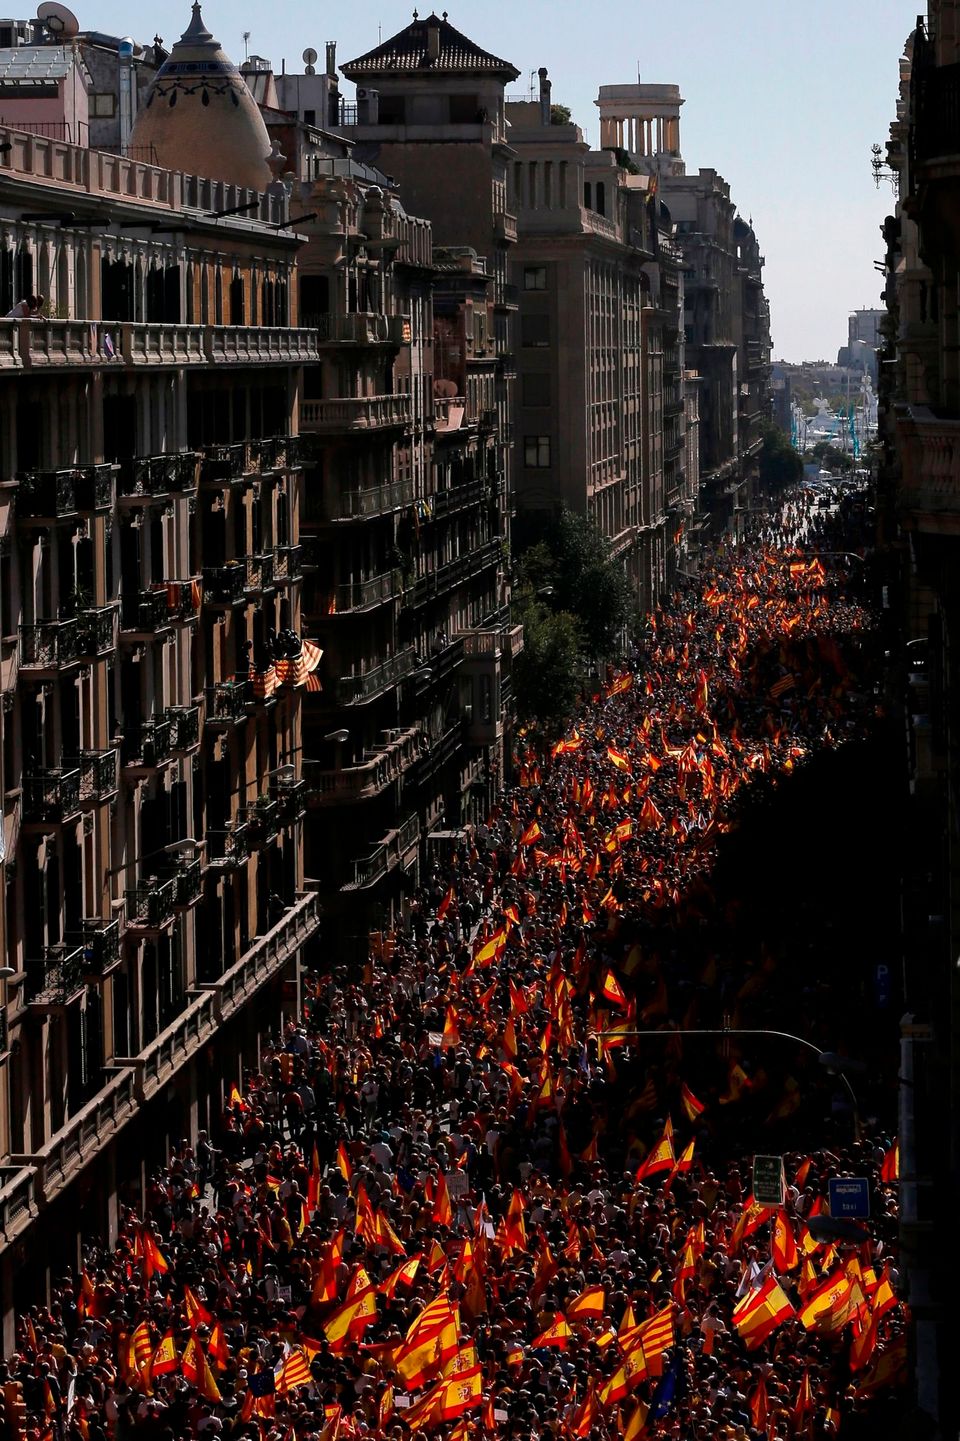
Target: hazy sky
{"type": "Point", "coordinates": [783, 99]}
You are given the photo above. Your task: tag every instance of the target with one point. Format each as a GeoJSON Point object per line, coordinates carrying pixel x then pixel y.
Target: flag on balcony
{"type": "Point", "coordinates": [265, 682]}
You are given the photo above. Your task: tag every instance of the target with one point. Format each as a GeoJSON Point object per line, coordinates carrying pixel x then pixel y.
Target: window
{"type": "Point", "coordinates": [535, 331]}
{"type": "Point", "coordinates": [536, 452]}
{"type": "Point", "coordinates": [309, 117]}
{"type": "Point", "coordinates": [103, 106]}
{"type": "Point", "coordinates": [534, 277]}
{"type": "Point", "coordinates": [535, 388]}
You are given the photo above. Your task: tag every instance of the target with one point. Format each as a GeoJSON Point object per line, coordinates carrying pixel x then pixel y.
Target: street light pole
{"type": "Point", "coordinates": [831, 1062]}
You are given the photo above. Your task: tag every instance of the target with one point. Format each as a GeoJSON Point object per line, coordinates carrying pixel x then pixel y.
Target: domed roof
{"type": "Point", "coordinates": [200, 117]}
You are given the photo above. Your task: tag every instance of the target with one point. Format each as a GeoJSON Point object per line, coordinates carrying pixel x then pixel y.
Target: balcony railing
{"type": "Point", "coordinates": [52, 796]}
{"type": "Point", "coordinates": [356, 689]}
{"type": "Point", "coordinates": [187, 885]}
{"type": "Point", "coordinates": [380, 768]}
{"type": "Point", "coordinates": [507, 641]}
{"type": "Point", "coordinates": [289, 796]}
{"type": "Point", "coordinates": [221, 463]}
{"type": "Point", "coordinates": [99, 942]}
{"type": "Point", "coordinates": [148, 746]}
{"type": "Point", "coordinates": [376, 500]}
{"type": "Point", "coordinates": [50, 644]}
{"type": "Point", "coordinates": [144, 611]}
{"type": "Point", "coordinates": [150, 477]}
{"type": "Point", "coordinates": [359, 328]}
{"type": "Point", "coordinates": [55, 979]}
{"type": "Point", "coordinates": [55, 344]}
{"type": "Point", "coordinates": [97, 632]}
{"type": "Point", "coordinates": [287, 563]}
{"type": "Point", "coordinates": [98, 775]}
{"type": "Point", "coordinates": [184, 598]}
{"type": "Point", "coordinates": [152, 905]}
{"type": "Point", "coordinates": [457, 497]}
{"type": "Point", "coordinates": [225, 585]}
{"type": "Point", "coordinates": [275, 452]}
{"type": "Point", "coordinates": [369, 412]}
{"type": "Point", "coordinates": [60, 494]}
{"type": "Point", "coordinates": [259, 572]}
{"type": "Point", "coordinates": [228, 848]}
{"type": "Point", "coordinates": [184, 728]}
{"type": "Point", "coordinates": [262, 821]}
{"type": "Point", "coordinates": [387, 856]}
{"type": "Point", "coordinates": [505, 226]}
{"type": "Point", "coordinates": [227, 703]}
{"type": "Point", "coordinates": [365, 594]}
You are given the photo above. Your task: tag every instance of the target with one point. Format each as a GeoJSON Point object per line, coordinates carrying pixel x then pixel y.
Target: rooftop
{"type": "Point", "coordinates": [36, 62]}
{"type": "Point", "coordinates": [409, 52]}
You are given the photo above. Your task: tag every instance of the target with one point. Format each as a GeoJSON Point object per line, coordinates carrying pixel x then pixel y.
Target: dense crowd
{"type": "Point", "coordinates": [490, 1187]}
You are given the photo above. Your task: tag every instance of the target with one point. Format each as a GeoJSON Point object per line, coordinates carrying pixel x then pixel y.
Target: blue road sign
{"type": "Point", "coordinates": [849, 1196]}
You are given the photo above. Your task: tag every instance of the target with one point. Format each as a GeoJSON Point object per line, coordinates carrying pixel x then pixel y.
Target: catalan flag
{"type": "Point", "coordinates": [692, 1108]}
{"type": "Point", "coordinates": [293, 1371]}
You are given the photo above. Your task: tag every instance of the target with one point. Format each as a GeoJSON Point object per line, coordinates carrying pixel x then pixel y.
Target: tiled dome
{"type": "Point", "coordinates": [200, 117]}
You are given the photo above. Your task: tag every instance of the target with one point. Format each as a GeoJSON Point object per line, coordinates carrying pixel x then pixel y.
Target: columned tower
{"type": "Point", "coordinates": [643, 120]}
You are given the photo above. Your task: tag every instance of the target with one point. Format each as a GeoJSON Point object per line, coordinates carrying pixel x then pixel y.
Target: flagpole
{"type": "Point", "coordinates": [826, 1058]}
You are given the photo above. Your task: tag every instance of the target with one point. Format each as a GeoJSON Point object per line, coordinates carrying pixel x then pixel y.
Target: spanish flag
{"type": "Point", "coordinates": [661, 1158]}
{"type": "Point", "coordinates": [827, 1301]}
{"type": "Point", "coordinates": [692, 1108]}
{"type": "Point", "coordinates": [758, 1314]}
{"type": "Point", "coordinates": [154, 1262]}
{"type": "Point", "coordinates": [786, 1257]}
{"type": "Point", "coordinates": [165, 1358]}
{"type": "Point", "coordinates": [556, 1335]}
{"type": "Point", "coordinates": [403, 1276]}
{"type": "Point", "coordinates": [613, 992]}
{"type": "Point", "coordinates": [890, 1169]}
{"type": "Point", "coordinates": [343, 1162]}
{"type": "Point", "coordinates": [588, 1306]}
{"type": "Point", "coordinates": [632, 1370]}
{"type": "Point", "coordinates": [621, 761]}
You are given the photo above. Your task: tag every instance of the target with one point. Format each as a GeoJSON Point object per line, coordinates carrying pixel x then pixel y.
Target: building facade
{"type": "Point", "coordinates": [918, 505]}
{"type": "Point", "coordinates": [726, 318]}
{"type": "Point", "coordinates": [152, 672]}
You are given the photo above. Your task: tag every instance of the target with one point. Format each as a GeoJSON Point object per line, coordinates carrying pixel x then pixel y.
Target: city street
{"type": "Point", "coordinates": [493, 1183]}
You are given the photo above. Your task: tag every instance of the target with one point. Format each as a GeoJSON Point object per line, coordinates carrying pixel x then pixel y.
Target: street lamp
{"type": "Point", "coordinates": [835, 1064]}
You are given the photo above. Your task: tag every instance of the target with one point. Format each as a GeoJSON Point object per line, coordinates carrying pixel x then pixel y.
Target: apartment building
{"type": "Point", "coordinates": [152, 660]}
{"type": "Point", "coordinates": [599, 428]}
{"type": "Point", "coordinates": [726, 319]}
{"type": "Point", "coordinates": [918, 504]}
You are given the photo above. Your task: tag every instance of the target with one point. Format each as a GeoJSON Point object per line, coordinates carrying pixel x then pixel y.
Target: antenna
{"type": "Point", "coordinates": [246, 44]}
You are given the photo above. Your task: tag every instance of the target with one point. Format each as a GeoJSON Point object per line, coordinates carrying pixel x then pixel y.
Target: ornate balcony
{"type": "Point", "coordinates": [144, 612]}
{"type": "Point", "coordinates": [351, 414]}
{"type": "Point", "coordinates": [97, 632]}
{"type": "Point", "coordinates": [98, 776]}
{"type": "Point", "coordinates": [51, 796]}
{"type": "Point", "coordinates": [393, 850]}
{"type": "Point", "coordinates": [275, 453]}
{"type": "Point", "coordinates": [358, 689]}
{"type": "Point", "coordinates": [289, 795]}
{"type": "Point", "coordinates": [184, 728]}
{"type": "Point", "coordinates": [48, 495]}
{"type": "Point", "coordinates": [184, 598]}
{"type": "Point", "coordinates": [99, 941]}
{"type": "Point", "coordinates": [929, 498]}
{"type": "Point", "coordinates": [380, 768]}
{"type": "Point", "coordinates": [221, 464]}
{"type": "Point", "coordinates": [367, 594]}
{"type": "Point", "coordinates": [375, 500]}
{"type": "Point", "coordinates": [259, 573]}
{"type": "Point", "coordinates": [229, 848]}
{"type": "Point", "coordinates": [56, 979]}
{"type": "Point", "coordinates": [50, 645]}
{"type": "Point", "coordinates": [187, 884]}
{"type": "Point", "coordinates": [287, 564]}
{"type": "Point", "coordinates": [227, 704]}
{"type": "Point", "coordinates": [225, 585]}
{"type": "Point", "coordinates": [262, 821]}
{"type": "Point", "coordinates": [147, 746]}
{"type": "Point", "coordinates": [150, 478]}
{"type": "Point", "coordinates": [360, 328]}
{"type": "Point", "coordinates": [151, 906]}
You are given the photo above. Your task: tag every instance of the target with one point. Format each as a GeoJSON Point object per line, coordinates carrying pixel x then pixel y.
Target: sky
{"type": "Point", "coordinates": [784, 100]}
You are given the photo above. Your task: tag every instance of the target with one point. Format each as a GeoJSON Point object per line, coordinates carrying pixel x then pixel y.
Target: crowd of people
{"type": "Point", "coordinates": [489, 1187]}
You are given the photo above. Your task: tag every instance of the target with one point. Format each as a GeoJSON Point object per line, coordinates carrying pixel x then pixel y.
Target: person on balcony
{"type": "Point", "coordinates": [26, 309]}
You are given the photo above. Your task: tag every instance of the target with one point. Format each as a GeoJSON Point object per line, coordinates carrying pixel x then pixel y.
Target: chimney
{"type": "Point", "coordinates": [332, 59]}
{"type": "Point", "coordinates": [433, 39]}
{"type": "Point", "coordinates": [546, 88]}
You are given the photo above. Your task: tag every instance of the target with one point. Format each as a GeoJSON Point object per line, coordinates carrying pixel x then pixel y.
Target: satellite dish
{"type": "Point", "coordinates": [58, 19]}
{"type": "Point", "coordinates": [309, 56]}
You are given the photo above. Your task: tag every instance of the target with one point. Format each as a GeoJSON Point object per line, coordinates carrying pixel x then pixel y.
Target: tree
{"type": "Point", "coordinates": [571, 569]}
{"type": "Point", "coordinates": [780, 465]}
{"type": "Point", "coordinates": [546, 674]}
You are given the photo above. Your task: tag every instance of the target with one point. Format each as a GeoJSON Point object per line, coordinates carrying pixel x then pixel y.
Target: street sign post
{"type": "Point", "coordinates": [849, 1196]}
{"type": "Point", "coordinates": [768, 1180]}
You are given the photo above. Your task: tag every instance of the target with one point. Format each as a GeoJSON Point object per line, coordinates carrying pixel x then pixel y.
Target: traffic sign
{"type": "Point", "coordinates": [768, 1180]}
{"type": "Point", "coordinates": [849, 1196]}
